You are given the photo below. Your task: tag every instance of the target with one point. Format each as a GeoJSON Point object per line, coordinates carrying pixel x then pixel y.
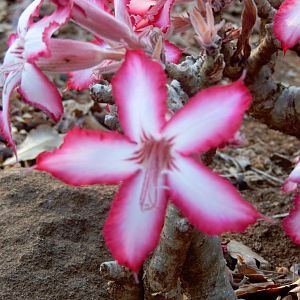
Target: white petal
{"type": "Point", "coordinates": [140, 91]}
{"type": "Point", "coordinates": [293, 180]}
{"type": "Point", "coordinates": [210, 202]}
{"type": "Point", "coordinates": [90, 157]}
{"type": "Point", "coordinates": [11, 82]}
{"type": "Point", "coordinates": [209, 119]}
{"type": "Point", "coordinates": [291, 223]}
{"type": "Point", "coordinates": [25, 20]}
{"type": "Point", "coordinates": [131, 232]}
{"type": "Point", "coordinates": [287, 23]}
{"type": "Point", "coordinates": [37, 90]}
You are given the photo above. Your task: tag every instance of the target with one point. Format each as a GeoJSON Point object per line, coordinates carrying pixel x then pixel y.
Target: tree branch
{"type": "Point", "coordinates": [274, 104]}
{"type": "Point", "coordinates": [121, 282]}
{"type": "Point", "coordinates": [204, 275]}
{"type": "Point", "coordinates": [265, 10]}
{"type": "Point", "coordinates": [161, 277]}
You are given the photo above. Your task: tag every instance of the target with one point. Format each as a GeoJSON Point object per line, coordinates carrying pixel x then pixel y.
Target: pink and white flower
{"type": "Point", "coordinates": [291, 183]}
{"type": "Point", "coordinates": [154, 160]}
{"type": "Point", "coordinates": [92, 15]}
{"type": "Point", "coordinates": [83, 79]}
{"type": "Point", "coordinates": [32, 50]}
{"type": "Point", "coordinates": [287, 24]}
{"type": "Point", "coordinates": [151, 12]}
{"type": "Point", "coordinates": [19, 68]}
{"type": "Point", "coordinates": [291, 223]}
{"type": "Point", "coordinates": [88, 13]}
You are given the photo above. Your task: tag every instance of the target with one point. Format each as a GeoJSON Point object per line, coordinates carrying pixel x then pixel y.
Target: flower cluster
{"type": "Point", "coordinates": [32, 50]}
{"type": "Point", "coordinates": [155, 157]}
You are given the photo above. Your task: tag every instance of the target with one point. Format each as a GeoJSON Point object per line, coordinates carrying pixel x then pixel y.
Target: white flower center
{"type": "Point", "coordinates": [155, 159]}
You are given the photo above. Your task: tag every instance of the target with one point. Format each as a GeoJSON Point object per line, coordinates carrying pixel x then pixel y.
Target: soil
{"type": "Point", "coordinates": [51, 241]}
{"type": "Point", "coordinates": [272, 153]}
{"type": "Point", "coordinates": [51, 245]}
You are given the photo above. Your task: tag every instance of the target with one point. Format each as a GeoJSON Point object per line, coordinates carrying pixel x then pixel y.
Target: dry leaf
{"type": "Point", "coordinates": [248, 22]}
{"type": "Point", "coordinates": [43, 138]}
{"type": "Point", "coordinates": [73, 112]}
{"type": "Point", "coordinates": [250, 258]}
{"type": "Point", "coordinates": [252, 273]}
{"type": "Point", "coordinates": [263, 291]}
{"type": "Point", "coordinates": [295, 269]}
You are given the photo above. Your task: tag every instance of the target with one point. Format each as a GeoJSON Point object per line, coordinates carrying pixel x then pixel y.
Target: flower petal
{"type": "Point", "coordinates": [293, 180]}
{"type": "Point", "coordinates": [291, 224]}
{"type": "Point", "coordinates": [11, 82]}
{"type": "Point", "coordinates": [140, 92]}
{"type": "Point", "coordinates": [121, 11]}
{"type": "Point", "coordinates": [81, 80]}
{"type": "Point", "coordinates": [37, 90]}
{"type": "Point", "coordinates": [38, 36]}
{"type": "Point", "coordinates": [163, 20]}
{"type": "Point", "coordinates": [90, 157]}
{"type": "Point", "coordinates": [209, 119]}
{"type": "Point", "coordinates": [26, 18]}
{"type": "Point", "coordinates": [97, 21]}
{"type": "Point", "coordinates": [11, 39]}
{"type": "Point", "coordinates": [173, 53]}
{"type": "Point", "coordinates": [69, 55]}
{"type": "Point", "coordinates": [100, 3]}
{"type": "Point", "coordinates": [210, 202]}
{"type": "Point", "coordinates": [156, 13]}
{"type": "Point", "coordinates": [287, 24]}
{"type": "Point", "coordinates": [131, 232]}
{"type": "Point", "coordinates": [138, 7]}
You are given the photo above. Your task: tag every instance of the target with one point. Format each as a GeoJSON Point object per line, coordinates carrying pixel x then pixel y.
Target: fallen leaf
{"type": "Point", "coordinates": [43, 138]}
{"type": "Point", "coordinates": [263, 291]}
{"type": "Point", "coordinates": [295, 269]}
{"type": "Point", "coordinates": [236, 249]}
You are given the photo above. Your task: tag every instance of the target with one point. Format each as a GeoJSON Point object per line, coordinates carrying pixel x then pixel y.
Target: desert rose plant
{"type": "Point", "coordinates": [171, 110]}
{"type": "Point", "coordinates": [25, 60]}
{"type": "Point", "coordinates": [153, 159]}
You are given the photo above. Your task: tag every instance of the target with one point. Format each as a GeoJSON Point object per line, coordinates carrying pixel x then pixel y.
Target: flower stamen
{"type": "Point", "coordinates": [155, 158]}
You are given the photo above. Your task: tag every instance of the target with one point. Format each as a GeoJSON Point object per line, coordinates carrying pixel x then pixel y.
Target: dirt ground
{"type": "Point", "coordinates": [272, 153]}
{"type": "Point", "coordinates": [53, 231]}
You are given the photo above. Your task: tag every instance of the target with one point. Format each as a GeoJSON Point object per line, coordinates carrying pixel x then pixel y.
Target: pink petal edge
{"type": "Point", "coordinates": [287, 24]}
{"type": "Point", "coordinates": [37, 90]}
{"type": "Point", "coordinates": [26, 18]}
{"type": "Point", "coordinates": [39, 33]}
{"type": "Point", "coordinates": [163, 20]}
{"type": "Point", "coordinates": [291, 224]}
{"type": "Point", "coordinates": [139, 88]}
{"type": "Point", "coordinates": [291, 183]}
{"type": "Point", "coordinates": [130, 232]}
{"type": "Point", "coordinates": [173, 53]}
{"type": "Point", "coordinates": [90, 157]}
{"type": "Point", "coordinates": [209, 119]}
{"type": "Point", "coordinates": [81, 80]}
{"type": "Point", "coordinates": [12, 81]}
{"type": "Point", "coordinates": [209, 201]}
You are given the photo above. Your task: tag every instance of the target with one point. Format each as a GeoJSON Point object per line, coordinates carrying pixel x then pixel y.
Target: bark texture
{"type": "Point", "coordinates": [274, 104]}
{"type": "Point", "coordinates": [203, 275]}
{"type": "Point", "coordinates": [187, 264]}
{"type": "Point", "coordinates": [121, 282]}
{"type": "Point", "coordinates": [161, 277]}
